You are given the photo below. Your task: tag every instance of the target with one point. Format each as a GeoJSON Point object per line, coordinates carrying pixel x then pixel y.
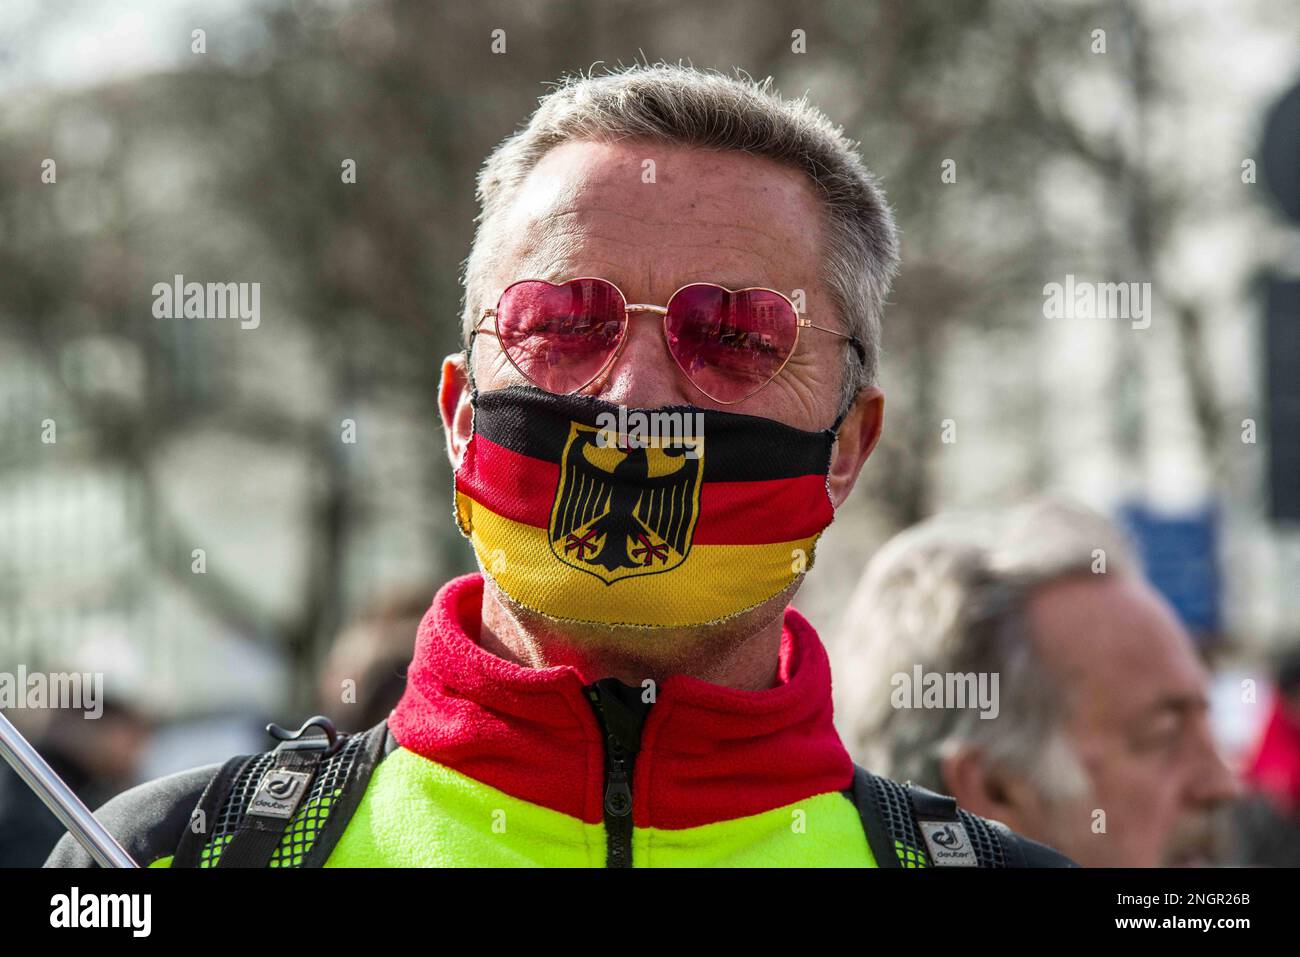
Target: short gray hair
{"type": "Point", "coordinates": [676, 104]}
{"type": "Point", "coordinates": [949, 595]}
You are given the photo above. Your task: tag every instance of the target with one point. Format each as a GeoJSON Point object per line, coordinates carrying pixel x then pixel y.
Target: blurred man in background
{"type": "Point", "coordinates": [1098, 743]}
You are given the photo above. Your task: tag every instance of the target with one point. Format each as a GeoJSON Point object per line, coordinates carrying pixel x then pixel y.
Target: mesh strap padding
{"type": "Point", "coordinates": [987, 844]}
{"type": "Point", "coordinates": [889, 804]}
{"type": "Point", "coordinates": [307, 822]}
{"type": "Point", "coordinates": [896, 810]}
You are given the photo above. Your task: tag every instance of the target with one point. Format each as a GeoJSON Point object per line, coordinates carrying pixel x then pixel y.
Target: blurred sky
{"type": "Point", "coordinates": [72, 44]}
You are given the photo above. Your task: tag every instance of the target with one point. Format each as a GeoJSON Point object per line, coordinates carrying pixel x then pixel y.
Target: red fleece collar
{"type": "Point", "coordinates": [708, 753]}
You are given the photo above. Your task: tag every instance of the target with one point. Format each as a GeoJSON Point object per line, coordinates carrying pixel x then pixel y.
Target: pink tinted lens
{"type": "Point", "coordinates": [730, 344]}
{"type": "Point", "coordinates": [560, 337]}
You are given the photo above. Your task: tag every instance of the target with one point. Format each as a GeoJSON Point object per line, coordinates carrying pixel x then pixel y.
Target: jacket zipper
{"type": "Point", "coordinates": [622, 740]}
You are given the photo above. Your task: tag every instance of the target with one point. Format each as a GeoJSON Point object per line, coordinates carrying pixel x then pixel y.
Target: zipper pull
{"type": "Point", "coordinates": [618, 792]}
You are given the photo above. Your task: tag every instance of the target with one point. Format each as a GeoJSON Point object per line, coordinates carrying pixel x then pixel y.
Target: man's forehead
{"type": "Point", "coordinates": [1117, 642]}
{"type": "Point", "coordinates": [710, 177]}
{"type": "Point", "coordinates": [557, 270]}
{"type": "Point", "coordinates": [695, 215]}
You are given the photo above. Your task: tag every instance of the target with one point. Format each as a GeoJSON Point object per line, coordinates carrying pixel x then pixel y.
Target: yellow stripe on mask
{"type": "Point", "coordinates": [711, 584]}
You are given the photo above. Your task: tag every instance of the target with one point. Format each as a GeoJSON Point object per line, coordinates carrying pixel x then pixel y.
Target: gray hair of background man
{"type": "Point", "coordinates": [949, 595]}
{"type": "Point", "coordinates": [679, 105]}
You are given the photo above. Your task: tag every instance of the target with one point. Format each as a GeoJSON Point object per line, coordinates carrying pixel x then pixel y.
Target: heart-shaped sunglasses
{"type": "Point", "coordinates": [728, 343]}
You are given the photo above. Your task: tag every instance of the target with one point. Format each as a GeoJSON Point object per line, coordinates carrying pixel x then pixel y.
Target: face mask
{"type": "Point", "coordinates": [588, 512]}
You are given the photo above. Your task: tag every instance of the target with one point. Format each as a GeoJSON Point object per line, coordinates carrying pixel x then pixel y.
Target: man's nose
{"type": "Point", "coordinates": [1212, 781]}
{"type": "Point", "coordinates": [644, 374]}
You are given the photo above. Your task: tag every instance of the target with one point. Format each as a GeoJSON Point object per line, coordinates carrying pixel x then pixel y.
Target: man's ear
{"type": "Point", "coordinates": [454, 406]}
{"type": "Point", "coordinates": [857, 436]}
{"type": "Point", "coordinates": [983, 790]}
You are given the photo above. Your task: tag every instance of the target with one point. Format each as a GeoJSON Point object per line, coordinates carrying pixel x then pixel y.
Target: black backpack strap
{"type": "Point", "coordinates": [279, 795]}
{"type": "Point", "coordinates": [348, 778]}
{"type": "Point", "coordinates": [1022, 852]}
{"type": "Point", "coordinates": [911, 826]}
{"type": "Point", "coordinates": [887, 820]}
{"type": "Point", "coordinates": [864, 798]}
{"type": "Point", "coordinates": [1012, 847]}
{"type": "Point", "coordinates": [204, 815]}
{"type": "Point", "coordinates": [944, 829]}
{"type": "Point", "coordinates": [287, 807]}
{"type": "Point", "coordinates": [948, 831]}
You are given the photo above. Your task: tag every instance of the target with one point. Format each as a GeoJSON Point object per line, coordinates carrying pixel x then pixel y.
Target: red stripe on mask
{"type": "Point", "coordinates": [522, 489]}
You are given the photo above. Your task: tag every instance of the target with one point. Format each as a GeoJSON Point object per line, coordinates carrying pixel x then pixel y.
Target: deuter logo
{"type": "Point", "coordinates": [280, 793]}
{"type": "Point", "coordinates": [948, 838]}
{"type": "Point", "coordinates": [948, 844]}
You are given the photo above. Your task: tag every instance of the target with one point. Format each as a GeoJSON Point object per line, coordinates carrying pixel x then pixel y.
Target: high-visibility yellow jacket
{"type": "Point", "coordinates": [488, 763]}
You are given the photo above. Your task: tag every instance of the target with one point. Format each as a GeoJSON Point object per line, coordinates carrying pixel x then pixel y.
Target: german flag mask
{"type": "Point", "coordinates": [590, 512]}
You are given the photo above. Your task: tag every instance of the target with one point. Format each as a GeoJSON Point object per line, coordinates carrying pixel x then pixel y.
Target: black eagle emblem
{"type": "Point", "coordinates": [625, 511]}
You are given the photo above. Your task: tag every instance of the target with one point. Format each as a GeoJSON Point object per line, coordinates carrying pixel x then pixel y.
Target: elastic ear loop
{"type": "Point", "coordinates": [469, 365]}
{"type": "Point", "coordinates": [848, 406]}
{"type": "Point", "coordinates": [834, 431]}
{"type": "Point", "coordinates": [843, 414]}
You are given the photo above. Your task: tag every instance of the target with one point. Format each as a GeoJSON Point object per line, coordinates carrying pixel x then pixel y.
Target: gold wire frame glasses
{"type": "Point", "coordinates": [801, 323]}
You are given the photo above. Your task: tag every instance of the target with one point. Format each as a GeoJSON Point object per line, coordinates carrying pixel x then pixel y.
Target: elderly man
{"type": "Point", "coordinates": [668, 387]}
{"type": "Point", "coordinates": [1095, 739]}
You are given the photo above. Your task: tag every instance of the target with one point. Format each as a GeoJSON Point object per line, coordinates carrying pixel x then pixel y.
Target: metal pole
{"type": "Point", "coordinates": [58, 797]}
